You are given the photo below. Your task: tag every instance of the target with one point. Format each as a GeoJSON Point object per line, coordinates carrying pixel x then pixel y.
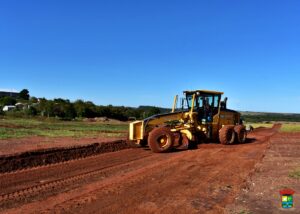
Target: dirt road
{"type": "Point", "coordinates": [272, 175]}
{"type": "Point", "coordinates": [137, 181]}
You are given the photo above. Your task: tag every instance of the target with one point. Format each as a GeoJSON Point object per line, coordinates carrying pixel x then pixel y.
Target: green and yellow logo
{"type": "Point", "coordinates": [287, 200]}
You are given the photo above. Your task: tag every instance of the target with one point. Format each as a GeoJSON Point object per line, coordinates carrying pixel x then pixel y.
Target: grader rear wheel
{"type": "Point", "coordinates": [241, 133]}
{"type": "Point", "coordinates": [227, 135]}
{"type": "Point", "coordinates": [161, 139]}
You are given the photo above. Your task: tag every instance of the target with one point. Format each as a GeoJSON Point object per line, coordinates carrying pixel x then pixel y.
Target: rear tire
{"type": "Point", "coordinates": [227, 135]}
{"type": "Point", "coordinates": [161, 139]}
{"type": "Point", "coordinates": [241, 133]}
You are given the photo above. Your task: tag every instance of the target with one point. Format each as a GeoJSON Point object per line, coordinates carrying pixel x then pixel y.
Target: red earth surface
{"type": "Point", "coordinates": [275, 173]}
{"type": "Point", "coordinates": [135, 180]}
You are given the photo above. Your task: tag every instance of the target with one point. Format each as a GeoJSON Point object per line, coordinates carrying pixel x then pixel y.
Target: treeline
{"type": "Point", "coordinates": [67, 110]}
{"type": "Point", "coordinates": [268, 117]}
{"type": "Point", "coordinates": [64, 109]}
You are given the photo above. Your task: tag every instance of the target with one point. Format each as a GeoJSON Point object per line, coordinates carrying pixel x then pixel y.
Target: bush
{"type": "Point", "coordinates": [4, 101]}
{"type": "Point", "coordinates": [15, 113]}
{"type": "Point", "coordinates": [31, 111]}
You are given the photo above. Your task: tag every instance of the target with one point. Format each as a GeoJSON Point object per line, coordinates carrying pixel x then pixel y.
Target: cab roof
{"type": "Point", "coordinates": [203, 92]}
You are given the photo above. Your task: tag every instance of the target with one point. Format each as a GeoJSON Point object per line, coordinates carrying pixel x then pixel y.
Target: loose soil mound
{"type": "Point", "coordinates": [41, 157]}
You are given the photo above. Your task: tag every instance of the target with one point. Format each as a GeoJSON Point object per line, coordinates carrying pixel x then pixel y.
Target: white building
{"type": "Point", "coordinates": [8, 108]}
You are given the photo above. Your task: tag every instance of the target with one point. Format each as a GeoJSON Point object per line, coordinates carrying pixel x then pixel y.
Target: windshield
{"type": "Point", "coordinates": [189, 99]}
{"type": "Point", "coordinates": [203, 100]}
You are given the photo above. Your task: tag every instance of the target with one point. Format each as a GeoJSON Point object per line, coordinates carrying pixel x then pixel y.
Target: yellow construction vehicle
{"type": "Point", "coordinates": [203, 117]}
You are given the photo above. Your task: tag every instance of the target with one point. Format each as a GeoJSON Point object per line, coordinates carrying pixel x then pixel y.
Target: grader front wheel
{"type": "Point", "coordinates": [161, 139]}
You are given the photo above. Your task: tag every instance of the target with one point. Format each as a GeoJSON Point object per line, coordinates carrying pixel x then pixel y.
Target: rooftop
{"type": "Point", "coordinates": [203, 92]}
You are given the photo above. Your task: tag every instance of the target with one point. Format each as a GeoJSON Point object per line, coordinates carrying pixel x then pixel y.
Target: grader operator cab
{"type": "Point", "coordinates": [202, 117]}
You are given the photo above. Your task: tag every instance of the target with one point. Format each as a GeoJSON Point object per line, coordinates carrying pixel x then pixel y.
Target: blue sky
{"type": "Point", "coordinates": [144, 52]}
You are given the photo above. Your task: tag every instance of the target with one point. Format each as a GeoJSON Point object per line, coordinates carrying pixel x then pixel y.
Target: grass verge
{"type": "Point", "coordinates": [18, 128]}
{"type": "Point", "coordinates": [290, 128]}
{"type": "Point", "coordinates": [295, 174]}
{"type": "Point", "coordinates": [257, 125]}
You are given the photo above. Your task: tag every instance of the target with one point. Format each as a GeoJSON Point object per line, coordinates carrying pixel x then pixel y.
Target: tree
{"type": "Point", "coordinates": [80, 108]}
{"type": "Point", "coordinates": [24, 94]}
{"type": "Point", "coordinates": [7, 101]}
{"type": "Point", "coordinates": [90, 110]}
{"type": "Point", "coordinates": [49, 108]}
{"type": "Point", "coordinates": [85, 109]}
{"type": "Point", "coordinates": [33, 100]}
{"type": "Point", "coordinates": [153, 111]}
{"type": "Point", "coordinates": [69, 111]}
{"type": "Point", "coordinates": [63, 109]}
{"type": "Point", "coordinates": [42, 106]}
{"type": "Point", "coordinates": [31, 111]}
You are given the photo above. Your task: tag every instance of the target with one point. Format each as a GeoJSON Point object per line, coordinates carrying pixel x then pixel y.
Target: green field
{"type": "Point", "coordinates": [290, 127]}
{"type": "Point", "coordinates": [286, 127]}
{"type": "Point", "coordinates": [18, 128]}
{"type": "Point", "coordinates": [257, 125]}
{"type": "Point", "coordinates": [295, 173]}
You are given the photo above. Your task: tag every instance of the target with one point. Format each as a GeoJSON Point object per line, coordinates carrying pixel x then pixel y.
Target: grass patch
{"type": "Point", "coordinates": [256, 125]}
{"type": "Point", "coordinates": [244, 212]}
{"type": "Point", "coordinates": [290, 128]}
{"type": "Point", "coordinates": [18, 128]}
{"type": "Point", "coordinates": [295, 174]}
{"type": "Point", "coordinates": [286, 127]}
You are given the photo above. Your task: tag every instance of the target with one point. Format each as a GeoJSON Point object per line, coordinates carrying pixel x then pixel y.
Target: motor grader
{"type": "Point", "coordinates": [202, 117]}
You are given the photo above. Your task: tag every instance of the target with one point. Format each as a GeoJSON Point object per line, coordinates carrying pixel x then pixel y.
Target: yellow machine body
{"type": "Point", "coordinates": [187, 121]}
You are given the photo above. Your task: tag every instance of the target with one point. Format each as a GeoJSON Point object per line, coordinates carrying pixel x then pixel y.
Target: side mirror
{"type": "Point", "coordinates": [224, 103]}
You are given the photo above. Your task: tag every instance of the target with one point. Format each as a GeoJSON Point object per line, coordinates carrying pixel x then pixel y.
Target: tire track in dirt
{"type": "Point", "coordinates": [37, 189]}
{"type": "Point", "coordinates": [172, 190]}
{"type": "Point", "coordinates": [23, 183]}
{"type": "Point", "coordinates": [130, 176]}
{"type": "Point", "coordinates": [213, 178]}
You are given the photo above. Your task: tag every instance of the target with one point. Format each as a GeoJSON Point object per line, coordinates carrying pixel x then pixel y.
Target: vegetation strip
{"type": "Point", "coordinates": [20, 128]}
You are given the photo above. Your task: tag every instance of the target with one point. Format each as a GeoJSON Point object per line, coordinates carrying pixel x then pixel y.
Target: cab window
{"type": "Point", "coordinates": [216, 101]}
{"type": "Point", "coordinates": [189, 99]}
